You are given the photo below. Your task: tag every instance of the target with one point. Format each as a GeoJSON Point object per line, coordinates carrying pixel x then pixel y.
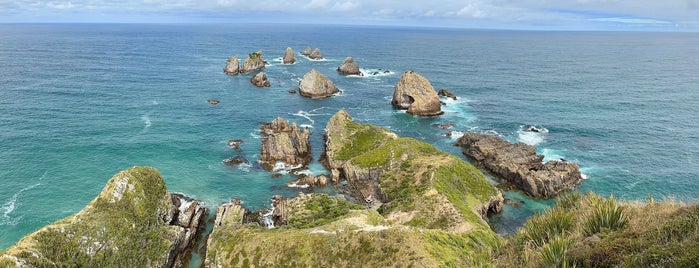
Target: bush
{"type": "Point", "coordinates": [606, 213]}
{"type": "Point", "coordinates": [541, 228]}
{"type": "Point", "coordinates": [553, 254]}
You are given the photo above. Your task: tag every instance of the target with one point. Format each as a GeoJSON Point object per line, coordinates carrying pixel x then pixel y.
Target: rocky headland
{"type": "Point", "coordinates": [284, 143]}
{"type": "Point", "coordinates": [316, 85]}
{"type": "Point", "coordinates": [260, 80]}
{"type": "Point", "coordinates": [349, 67]}
{"type": "Point", "coordinates": [252, 63]}
{"type": "Point", "coordinates": [133, 222]}
{"type": "Point", "coordinates": [520, 165]}
{"type": "Point", "coordinates": [415, 94]}
{"type": "Point", "coordinates": [289, 57]}
{"type": "Point", "coordinates": [232, 66]}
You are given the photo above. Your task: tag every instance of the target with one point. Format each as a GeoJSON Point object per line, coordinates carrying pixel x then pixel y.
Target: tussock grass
{"type": "Point", "coordinates": [606, 214]}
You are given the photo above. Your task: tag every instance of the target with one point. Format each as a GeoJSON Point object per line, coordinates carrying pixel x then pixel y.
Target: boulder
{"type": "Point", "coordinates": [316, 85]}
{"type": "Point", "coordinates": [252, 63]}
{"type": "Point", "coordinates": [307, 52]}
{"type": "Point", "coordinates": [310, 180]}
{"type": "Point", "coordinates": [235, 144]}
{"type": "Point", "coordinates": [234, 161]}
{"type": "Point", "coordinates": [213, 101]}
{"type": "Point", "coordinates": [519, 164]}
{"type": "Point", "coordinates": [349, 67]}
{"type": "Point", "coordinates": [232, 66]}
{"type": "Point", "coordinates": [285, 143]}
{"type": "Point", "coordinates": [292, 91]}
{"type": "Point", "coordinates": [415, 94]}
{"type": "Point", "coordinates": [315, 55]}
{"type": "Point", "coordinates": [260, 80]}
{"type": "Point", "coordinates": [446, 93]}
{"type": "Point", "coordinates": [289, 57]}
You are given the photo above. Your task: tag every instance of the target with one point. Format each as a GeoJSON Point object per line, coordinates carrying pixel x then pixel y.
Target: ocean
{"type": "Point", "coordinates": [80, 102]}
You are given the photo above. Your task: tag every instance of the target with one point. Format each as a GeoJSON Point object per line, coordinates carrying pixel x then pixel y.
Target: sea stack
{"type": "Point", "coordinates": [415, 94]}
{"type": "Point", "coordinates": [307, 52]}
{"type": "Point", "coordinates": [315, 55]}
{"type": "Point", "coordinates": [316, 85]}
{"type": "Point", "coordinates": [253, 63]}
{"type": "Point", "coordinates": [260, 80]}
{"type": "Point", "coordinates": [519, 164]}
{"type": "Point", "coordinates": [232, 66]}
{"type": "Point", "coordinates": [285, 143]}
{"type": "Point", "coordinates": [289, 57]}
{"type": "Point", "coordinates": [349, 67]}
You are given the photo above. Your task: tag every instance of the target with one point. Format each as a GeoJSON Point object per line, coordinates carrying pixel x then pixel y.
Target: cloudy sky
{"type": "Point", "coordinates": [668, 15]}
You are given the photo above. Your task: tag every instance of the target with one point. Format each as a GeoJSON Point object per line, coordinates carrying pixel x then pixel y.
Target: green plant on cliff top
{"type": "Point", "coordinates": [320, 210]}
{"type": "Point", "coordinates": [606, 214]}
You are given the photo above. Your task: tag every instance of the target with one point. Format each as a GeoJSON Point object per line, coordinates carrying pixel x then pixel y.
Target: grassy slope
{"type": "Point", "coordinates": [662, 234]}
{"type": "Point", "coordinates": [126, 233]}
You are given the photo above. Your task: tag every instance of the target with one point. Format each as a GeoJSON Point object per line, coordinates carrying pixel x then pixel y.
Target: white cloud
{"type": "Point", "coordinates": [630, 20]}
{"type": "Point", "coordinates": [60, 5]}
{"type": "Point", "coordinates": [346, 6]}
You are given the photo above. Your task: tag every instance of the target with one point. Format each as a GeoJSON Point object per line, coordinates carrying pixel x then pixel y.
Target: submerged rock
{"type": "Point", "coordinates": [519, 164]}
{"type": "Point", "coordinates": [260, 80]}
{"type": "Point", "coordinates": [289, 57]}
{"type": "Point", "coordinates": [446, 93]}
{"type": "Point", "coordinates": [213, 101]}
{"type": "Point", "coordinates": [284, 143]}
{"type": "Point", "coordinates": [252, 63]}
{"type": "Point", "coordinates": [315, 55]}
{"type": "Point", "coordinates": [415, 94]}
{"type": "Point", "coordinates": [133, 222]}
{"type": "Point", "coordinates": [232, 66]}
{"type": "Point", "coordinates": [316, 85]}
{"type": "Point", "coordinates": [349, 67]}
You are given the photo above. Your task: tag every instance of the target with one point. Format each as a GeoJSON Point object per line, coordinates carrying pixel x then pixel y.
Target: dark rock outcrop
{"type": "Point", "coordinates": [285, 143]}
{"type": "Point", "coordinates": [260, 80]}
{"type": "Point", "coordinates": [349, 67]}
{"type": "Point", "coordinates": [232, 66]}
{"type": "Point", "coordinates": [315, 55]}
{"type": "Point", "coordinates": [289, 57]}
{"type": "Point", "coordinates": [133, 222]}
{"type": "Point", "coordinates": [252, 63]}
{"type": "Point", "coordinates": [309, 180]}
{"type": "Point", "coordinates": [519, 164]}
{"type": "Point", "coordinates": [446, 93]}
{"type": "Point", "coordinates": [415, 94]}
{"type": "Point", "coordinates": [316, 85]}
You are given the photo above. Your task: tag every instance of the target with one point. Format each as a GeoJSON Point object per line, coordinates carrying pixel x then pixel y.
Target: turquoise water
{"type": "Point", "coordinates": [78, 103]}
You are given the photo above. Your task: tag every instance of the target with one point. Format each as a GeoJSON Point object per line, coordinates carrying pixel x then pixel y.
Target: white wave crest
{"type": "Point", "coordinates": [294, 184]}
{"type": "Point", "coordinates": [532, 135]}
{"type": "Point", "coordinates": [146, 120]}
{"type": "Point", "coordinates": [10, 205]}
{"type": "Point", "coordinates": [283, 168]}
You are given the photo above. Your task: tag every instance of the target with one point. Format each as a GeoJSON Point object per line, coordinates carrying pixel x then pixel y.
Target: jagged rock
{"type": "Point", "coordinates": [133, 222]}
{"type": "Point", "coordinates": [235, 144]}
{"type": "Point", "coordinates": [315, 55]}
{"type": "Point", "coordinates": [310, 180]}
{"type": "Point", "coordinates": [443, 126]}
{"type": "Point", "coordinates": [316, 85]}
{"type": "Point", "coordinates": [230, 214]}
{"type": "Point", "coordinates": [236, 160]}
{"type": "Point", "coordinates": [307, 52]}
{"type": "Point", "coordinates": [349, 67]}
{"type": "Point", "coordinates": [289, 57]}
{"type": "Point", "coordinates": [285, 143]}
{"type": "Point", "coordinates": [446, 93]}
{"type": "Point", "coordinates": [232, 66]}
{"type": "Point", "coordinates": [260, 80]}
{"type": "Point", "coordinates": [519, 164]}
{"type": "Point", "coordinates": [292, 91]}
{"type": "Point", "coordinates": [252, 63]}
{"type": "Point", "coordinates": [414, 93]}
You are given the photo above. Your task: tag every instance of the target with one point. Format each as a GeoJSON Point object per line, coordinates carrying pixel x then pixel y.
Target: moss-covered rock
{"type": "Point", "coordinates": [252, 63]}
{"type": "Point", "coordinates": [133, 222]}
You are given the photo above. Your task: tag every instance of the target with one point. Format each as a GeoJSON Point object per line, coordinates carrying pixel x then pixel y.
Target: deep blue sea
{"type": "Point", "coordinates": [80, 102]}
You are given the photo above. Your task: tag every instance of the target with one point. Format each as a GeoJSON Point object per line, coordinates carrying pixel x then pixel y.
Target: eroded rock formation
{"type": "Point", "coordinates": [315, 55]}
{"type": "Point", "coordinates": [284, 143]}
{"type": "Point", "coordinates": [316, 85]}
{"type": "Point", "coordinates": [307, 52]}
{"type": "Point", "coordinates": [252, 63]}
{"type": "Point", "coordinates": [260, 80]}
{"type": "Point", "coordinates": [133, 222]}
{"type": "Point", "coordinates": [415, 94]}
{"type": "Point", "coordinates": [519, 164]}
{"type": "Point", "coordinates": [446, 93]}
{"type": "Point", "coordinates": [232, 66]}
{"type": "Point", "coordinates": [349, 67]}
{"type": "Point", "coordinates": [289, 57]}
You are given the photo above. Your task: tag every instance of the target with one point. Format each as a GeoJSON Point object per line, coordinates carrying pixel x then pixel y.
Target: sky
{"type": "Point", "coordinates": [631, 15]}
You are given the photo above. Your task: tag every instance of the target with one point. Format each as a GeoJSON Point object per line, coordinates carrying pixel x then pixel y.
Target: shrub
{"type": "Point", "coordinates": [543, 227]}
{"type": "Point", "coordinates": [553, 254]}
{"type": "Point", "coordinates": [606, 213]}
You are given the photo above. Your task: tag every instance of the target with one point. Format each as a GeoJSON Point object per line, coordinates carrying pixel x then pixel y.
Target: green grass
{"type": "Point", "coordinates": [606, 214]}
{"type": "Point", "coordinates": [321, 210]}
{"type": "Point", "coordinates": [541, 228]}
